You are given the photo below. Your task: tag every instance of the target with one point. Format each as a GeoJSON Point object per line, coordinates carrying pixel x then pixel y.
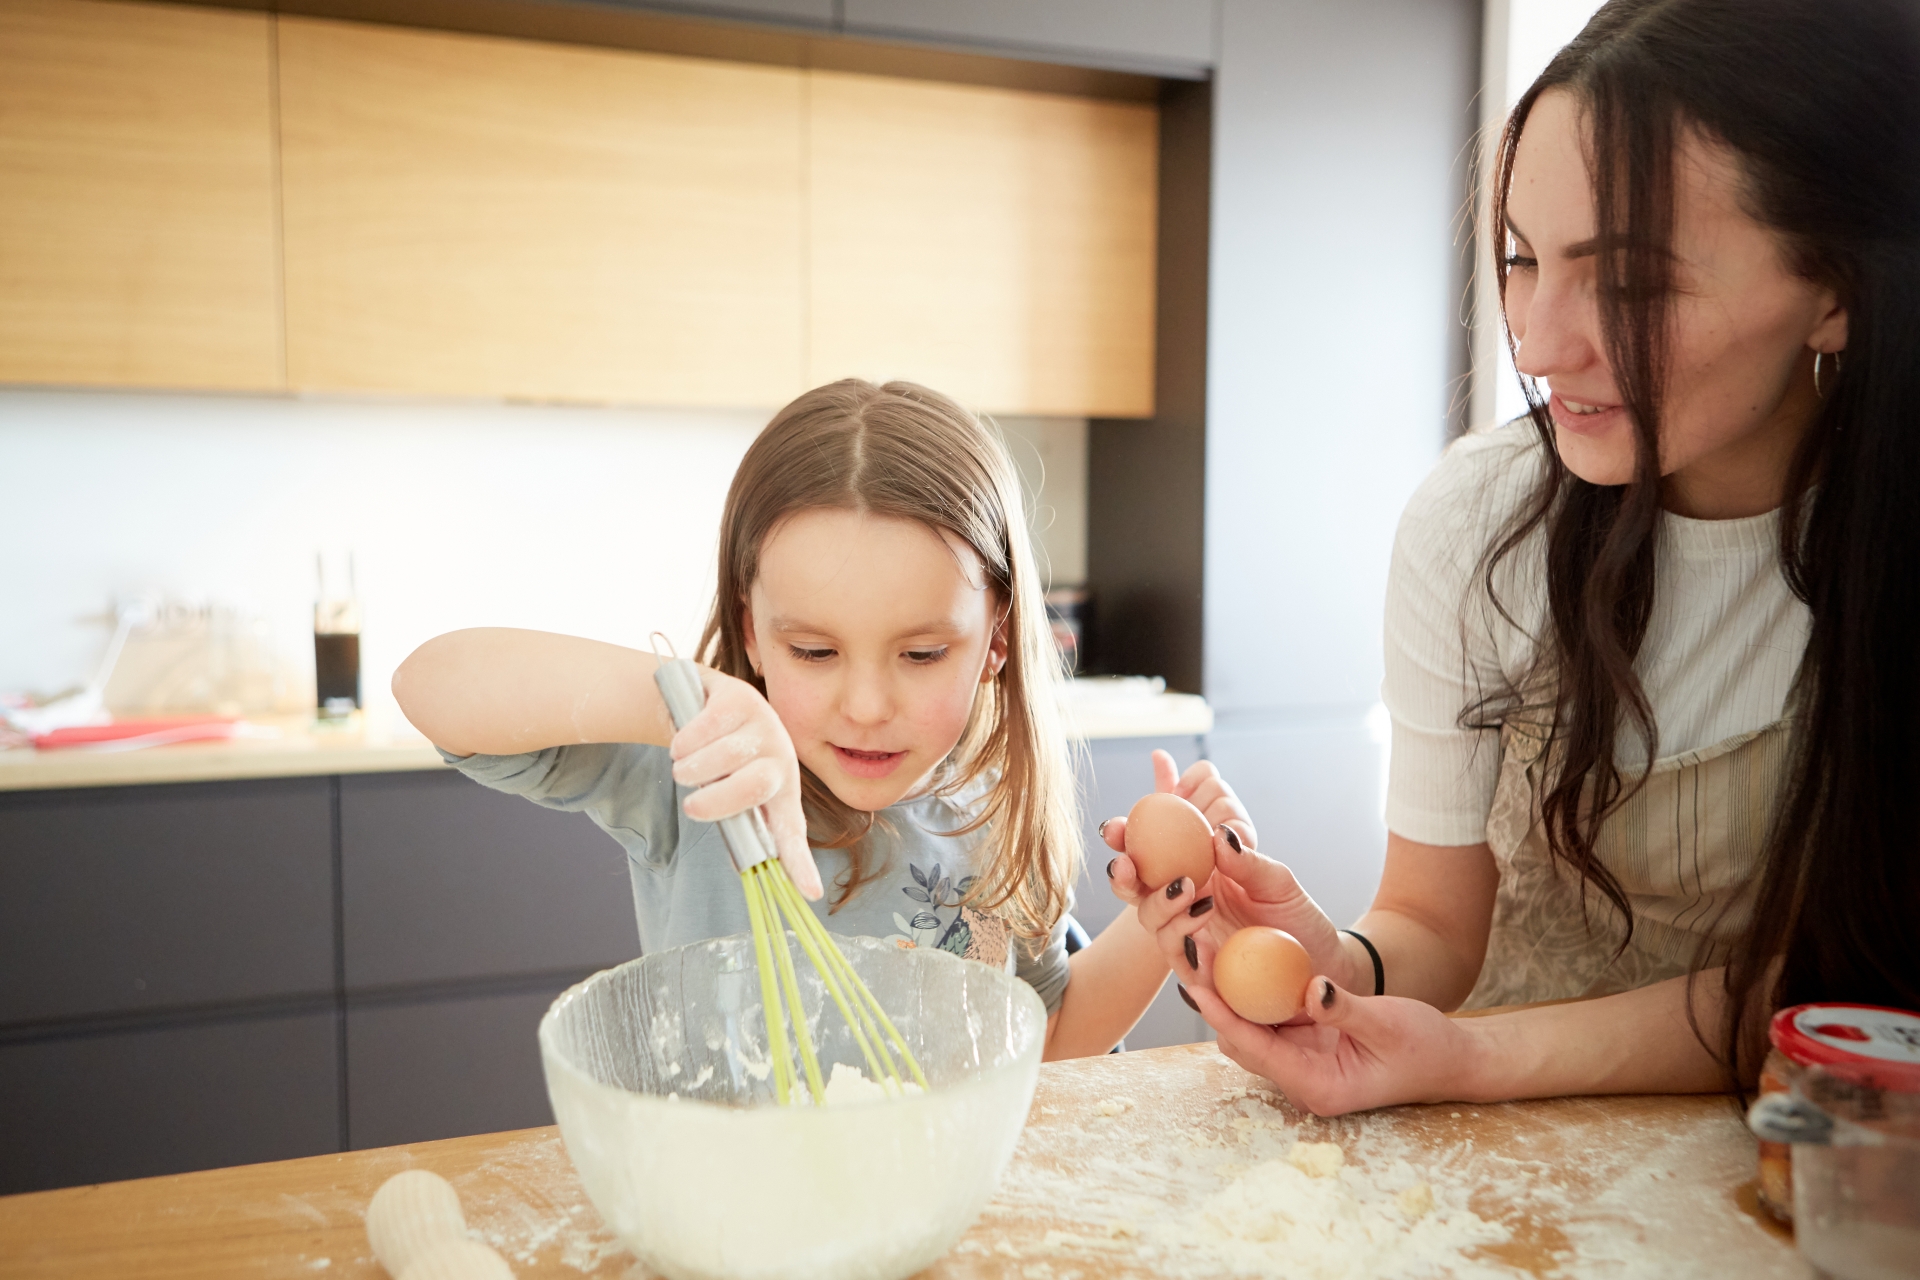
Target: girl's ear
{"type": "Point", "coordinates": [749, 641]}
{"type": "Point", "coordinates": [996, 650]}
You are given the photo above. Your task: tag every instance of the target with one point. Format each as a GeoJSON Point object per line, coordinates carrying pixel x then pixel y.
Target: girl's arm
{"type": "Point", "coordinates": [1362, 1052]}
{"type": "Point", "coordinates": [1111, 982]}
{"type": "Point", "coordinates": [499, 691]}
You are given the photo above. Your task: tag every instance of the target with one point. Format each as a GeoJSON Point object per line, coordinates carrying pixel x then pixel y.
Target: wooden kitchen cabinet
{"type": "Point", "coordinates": [995, 244]}
{"type": "Point", "coordinates": [137, 237]}
{"type": "Point", "coordinates": [475, 216]}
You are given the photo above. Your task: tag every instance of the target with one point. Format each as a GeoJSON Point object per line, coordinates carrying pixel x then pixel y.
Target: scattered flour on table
{"type": "Point", "coordinates": [1243, 1185]}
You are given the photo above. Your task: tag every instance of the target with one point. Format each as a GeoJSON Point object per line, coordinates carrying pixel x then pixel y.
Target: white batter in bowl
{"type": "Point", "coordinates": [658, 1074]}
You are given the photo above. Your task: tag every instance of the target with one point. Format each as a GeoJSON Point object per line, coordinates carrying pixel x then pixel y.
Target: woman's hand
{"type": "Point", "coordinates": [1352, 1052]}
{"type": "Point", "coordinates": [1191, 921]}
{"type": "Point", "coordinates": [739, 755]}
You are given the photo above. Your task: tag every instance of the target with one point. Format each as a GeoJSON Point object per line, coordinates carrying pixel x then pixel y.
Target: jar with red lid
{"type": "Point", "coordinates": [1868, 1045]}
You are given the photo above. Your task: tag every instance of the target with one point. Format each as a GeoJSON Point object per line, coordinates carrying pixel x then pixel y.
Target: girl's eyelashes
{"type": "Point", "coordinates": [809, 655]}
{"type": "Point", "coordinates": [927, 657]}
{"type": "Point", "coordinates": [1520, 262]}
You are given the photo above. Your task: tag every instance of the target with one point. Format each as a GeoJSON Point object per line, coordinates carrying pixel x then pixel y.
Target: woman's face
{"type": "Point", "coordinates": [873, 635]}
{"type": "Point", "coordinates": [1743, 328]}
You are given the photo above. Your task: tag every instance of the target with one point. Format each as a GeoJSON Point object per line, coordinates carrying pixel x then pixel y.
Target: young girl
{"type": "Point", "coordinates": [880, 681]}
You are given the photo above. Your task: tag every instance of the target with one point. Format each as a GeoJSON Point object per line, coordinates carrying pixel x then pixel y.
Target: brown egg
{"type": "Point", "coordinates": [1168, 838]}
{"type": "Point", "coordinates": [1262, 974]}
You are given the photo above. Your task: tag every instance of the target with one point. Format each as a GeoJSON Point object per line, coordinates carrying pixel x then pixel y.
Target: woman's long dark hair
{"type": "Point", "coordinates": [1820, 102]}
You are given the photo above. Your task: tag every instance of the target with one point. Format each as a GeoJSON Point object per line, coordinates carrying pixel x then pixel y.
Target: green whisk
{"type": "Point", "coordinates": [775, 907]}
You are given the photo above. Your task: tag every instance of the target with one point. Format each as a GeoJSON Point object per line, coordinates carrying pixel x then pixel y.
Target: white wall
{"type": "Point", "coordinates": [599, 522]}
{"type": "Point", "coordinates": [1051, 454]}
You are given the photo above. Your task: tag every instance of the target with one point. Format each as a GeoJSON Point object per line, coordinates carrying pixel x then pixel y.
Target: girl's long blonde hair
{"type": "Point", "coordinates": [904, 451]}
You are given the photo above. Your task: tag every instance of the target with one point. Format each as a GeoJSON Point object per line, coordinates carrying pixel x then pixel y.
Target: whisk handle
{"type": "Point", "coordinates": [747, 839]}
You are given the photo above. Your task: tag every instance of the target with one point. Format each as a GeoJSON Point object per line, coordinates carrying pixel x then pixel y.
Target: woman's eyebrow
{"type": "Point", "coordinates": [1580, 249]}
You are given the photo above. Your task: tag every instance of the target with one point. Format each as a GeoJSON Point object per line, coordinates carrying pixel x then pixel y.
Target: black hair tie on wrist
{"type": "Point", "coordinates": [1379, 970]}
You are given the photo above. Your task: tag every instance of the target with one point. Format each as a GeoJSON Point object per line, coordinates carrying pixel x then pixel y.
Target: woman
{"type": "Point", "coordinates": [1702, 551]}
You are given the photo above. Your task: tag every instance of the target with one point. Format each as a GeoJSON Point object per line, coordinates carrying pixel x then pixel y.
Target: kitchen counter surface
{"type": "Point", "coordinates": [295, 746]}
{"type": "Point", "coordinates": [1120, 1156]}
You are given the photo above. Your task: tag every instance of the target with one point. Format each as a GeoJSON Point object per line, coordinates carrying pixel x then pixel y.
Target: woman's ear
{"type": "Point", "coordinates": [1830, 331]}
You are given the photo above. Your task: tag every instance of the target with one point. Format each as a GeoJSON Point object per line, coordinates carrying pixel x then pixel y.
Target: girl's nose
{"type": "Point", "coordinates": [867, 698]}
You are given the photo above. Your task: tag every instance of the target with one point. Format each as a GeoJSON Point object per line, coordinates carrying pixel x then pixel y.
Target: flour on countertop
{"type": "Point", "coordinates": [1215, 1189]}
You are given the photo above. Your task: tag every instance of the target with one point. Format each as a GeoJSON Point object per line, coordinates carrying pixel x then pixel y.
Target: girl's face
{"type": "Point", "coordinates": [873, 635]}
{"type": "Point", "coordinates": [1743, 329]}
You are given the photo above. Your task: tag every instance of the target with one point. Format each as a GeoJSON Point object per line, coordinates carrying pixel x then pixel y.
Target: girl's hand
{"type": "Point", "coordinates": [739, 755]}
{"type": "Point", "coordinates": [1191, 921]}
{"type": "Point", "coordinates": [1353, 1052]}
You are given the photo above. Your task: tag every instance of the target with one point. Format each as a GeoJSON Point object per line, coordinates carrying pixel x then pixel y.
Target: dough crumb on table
{"type": "Point", "coordinates": [1317, 1159]}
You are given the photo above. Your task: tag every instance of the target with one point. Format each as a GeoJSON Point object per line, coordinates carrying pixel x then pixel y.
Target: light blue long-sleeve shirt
{"type": "Point", "coordinates": [686, 890]}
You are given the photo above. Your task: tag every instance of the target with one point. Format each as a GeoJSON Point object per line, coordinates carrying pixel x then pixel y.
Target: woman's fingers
{"type": "Point", "coordinates": [1166, 774]}
{"type": "Point", "coordinates": [1114, 832]}
{"type": "Point", "coordinates": [1175, 916]}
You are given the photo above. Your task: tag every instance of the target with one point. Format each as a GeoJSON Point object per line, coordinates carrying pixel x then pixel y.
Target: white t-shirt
{"type": "Point", "coordinates": [1721, 652]}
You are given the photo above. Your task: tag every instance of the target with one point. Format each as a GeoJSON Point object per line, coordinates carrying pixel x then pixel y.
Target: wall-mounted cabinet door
{"type": "Point", "coordinates": [136, 197]}
{"type": "Point", "coordinates": [997, 245]}
{"type": "Point", "coordinates": [471, 216]}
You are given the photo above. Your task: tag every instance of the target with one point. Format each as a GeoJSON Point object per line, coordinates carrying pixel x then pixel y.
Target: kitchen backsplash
{"type": "Point", "coordinates": [599, 522]}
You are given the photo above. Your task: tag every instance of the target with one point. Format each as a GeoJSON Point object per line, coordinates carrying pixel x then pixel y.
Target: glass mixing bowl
{"type": "Point", "coordinates": [658, 1072]}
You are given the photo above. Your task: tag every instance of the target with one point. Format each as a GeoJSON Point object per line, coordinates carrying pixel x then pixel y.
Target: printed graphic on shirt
{"type": "Point", "coordinates": [969, 934]}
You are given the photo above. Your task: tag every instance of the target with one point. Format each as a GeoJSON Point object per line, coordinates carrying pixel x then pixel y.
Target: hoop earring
{"type": "Point", "coordinates": [1818, 356]}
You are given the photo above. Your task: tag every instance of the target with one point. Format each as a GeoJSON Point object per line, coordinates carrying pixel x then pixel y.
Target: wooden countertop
{"type": "Point", "coordinates": [1117, 1153]}
{"type": "Point", "coordinates": [289, 747]}
{"type": "Point", "coordinates": [294, 747]}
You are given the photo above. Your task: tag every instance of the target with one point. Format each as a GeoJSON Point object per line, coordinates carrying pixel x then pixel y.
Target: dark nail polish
{"type": "Point", "coordinates": [1105, 823]}
{"type": "Point", "coordinates": [1233, 838]}
{"type": "Point", "coordinates": [1201, 907]}
{"type": "Point", "coordinates": [1193, 953]}
{"type": "Point", "coordinates": [1326, 993]}
{"type": "Point", "coordinates": [1174, 889]}
{"type": "Point", "coordinates": [1184, 996]}
{"type": "Point", "coordinates": [1110, 862]}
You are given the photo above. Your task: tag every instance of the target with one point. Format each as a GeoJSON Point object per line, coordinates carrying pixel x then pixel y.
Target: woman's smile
{"type": "Point", "coordinates": [1583, 418]}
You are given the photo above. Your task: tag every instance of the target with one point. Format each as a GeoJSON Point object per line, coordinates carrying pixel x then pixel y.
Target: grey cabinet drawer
{"type": "Point", "coordinates": [443, 880]}
{"type": "Point", "coordinates": [1170, 35]}
{"type": "Point", "coordinates": [134, 1104]}
{"type": "Point", "coordinates": [447, 1067]}
{"type": "Point", "coordinates": [130, 899]}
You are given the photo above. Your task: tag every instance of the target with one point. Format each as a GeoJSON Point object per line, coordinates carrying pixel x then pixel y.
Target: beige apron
{"type": "Point", "coordinates": [1686, 849]}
